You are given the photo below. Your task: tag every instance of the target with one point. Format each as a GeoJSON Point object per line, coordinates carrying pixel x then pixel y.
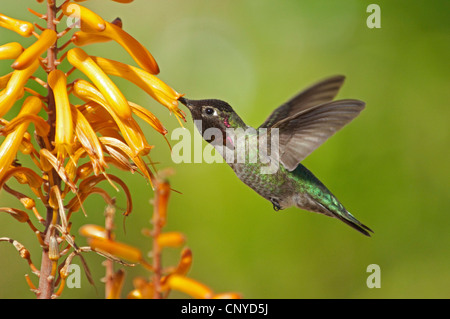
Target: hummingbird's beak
{"type": "Point", "coordinates": [185, 102]}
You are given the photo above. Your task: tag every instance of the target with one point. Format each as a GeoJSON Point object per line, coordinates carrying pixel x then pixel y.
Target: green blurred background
{"type": "Point", "coordinates": [389, 167]}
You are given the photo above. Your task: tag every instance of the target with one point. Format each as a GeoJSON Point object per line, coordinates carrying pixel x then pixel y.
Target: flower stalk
{"type": "Point", "coordinates": [72, 145]}
{"type": "Point", "coordinates": [46, 281]}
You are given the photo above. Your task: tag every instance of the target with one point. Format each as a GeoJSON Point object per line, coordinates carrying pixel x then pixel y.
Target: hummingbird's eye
{"type": "Point", "coordinates": [210, 111]}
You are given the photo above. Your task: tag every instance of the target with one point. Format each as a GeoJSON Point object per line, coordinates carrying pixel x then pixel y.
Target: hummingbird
{"type": "Point", "coordinates": [303, 123]}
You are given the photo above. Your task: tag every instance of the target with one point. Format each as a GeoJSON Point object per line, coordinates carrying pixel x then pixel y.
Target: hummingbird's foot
{"type": "Point", "coordinates": [276, 204]}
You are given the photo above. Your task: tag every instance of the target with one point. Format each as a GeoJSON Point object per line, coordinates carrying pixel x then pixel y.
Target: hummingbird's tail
{"type": "Point", "coordinates": [315, 197]}
{"type": "Point", "coordinates": [339, 212]}
{"type": "Point", "coordinates": [328, 205]}
{"type": "Point", "coordinates": [350, 220]}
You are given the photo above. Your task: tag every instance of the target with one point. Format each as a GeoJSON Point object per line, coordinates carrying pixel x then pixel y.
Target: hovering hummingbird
{"type": "Point", "coordinates": [303, 124]}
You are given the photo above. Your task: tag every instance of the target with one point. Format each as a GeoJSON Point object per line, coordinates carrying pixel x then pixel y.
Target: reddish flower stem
{"type": "Point", "coordinates": [46, 281]}
{"type": "Point", "coordinates": [109, 264]}
{"type": "Point", "coordinates": [162, 190]}
{"type": "Point", "coordinates": [156, 250]}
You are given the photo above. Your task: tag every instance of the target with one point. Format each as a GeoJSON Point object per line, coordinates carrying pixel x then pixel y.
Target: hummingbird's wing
{"type": "Point", "coordinates": [316, 94]}
{"type": "Point", "coordinates": [303, 132]}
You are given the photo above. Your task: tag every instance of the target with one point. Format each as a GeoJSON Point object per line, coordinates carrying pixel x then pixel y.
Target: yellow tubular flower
{"type": "Point", "coordinates": [64, 124]}
{"type": "Point", "coordinates": [117, 284]}
{"type": "Point", "coordinates": [23, 175]}
{"type": "Point", "coordinates": [90, 182]}
{"type": "Point", "coordinates": [137, 51]}
{"type": "Point", "coordinates": [14, 88]}
{"type": "Point", "coordinates": [156, 88]}
{"type": "Point", "coordinates": [130, 130]}
{"type": "Point", "coordinates": [120, 161]}
{"type": "Point", "coordinates": [11, 144]}
{"type": "Point", "coordinates": [87, 137]}
{"type": "Point", "coordinates": [117, 249]}
{"type": "Point", "coordinates": [18, 214]}
{"type": "Point", "coordinates": [90, 21]}
{"type": "Point", "coordinates": [79, 59]}
{"type": "Point", "coordinates": [81, 38]}
{"type": "Point", "coordinates": [86, 169]}
{"type": "Point", "coordinates": [148, 117]}
{"type": "Point", "coordinates": [100, 119]}
{"type": "Point", "coordinates": [189, 286]}
{"type": "Point", "coordinates": [111, 143]}
{"type": "Point", "coordinates": [170, 239]}
{"type": "Point", "coordinates": [71, 165]}
{"type": "Point", "coordinates": [27, 147]}
{"type": "Point", "coordinates": [42, 127]}
{"type": "Point", "coordinates": [4, 80]}
{"type": "Point", "coordinates": [10, 51]}
{"type": "Point", "coordinates": [185, 263]}
{"type": "Point", "coordinates": [23, 28]}
{"type": "Point", "coordinates": [93, 231]}
{"type": "Point", "coordinates": [34, 51]}
{"type": "Point", "coordinates": [75, 203]}
{"type": "Point", "coordinates": [49, 161]}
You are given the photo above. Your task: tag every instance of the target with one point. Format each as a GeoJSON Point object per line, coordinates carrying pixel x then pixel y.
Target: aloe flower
{"type": "Point", "coordinates": [72, 145]}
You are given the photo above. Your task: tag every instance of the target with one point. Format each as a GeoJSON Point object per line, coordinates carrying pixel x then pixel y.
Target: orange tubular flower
{"type": "Point", "coordinates": [4, 80]}
{"type": "Point", "coordinates": [24, 175]}
{"type": "Point", "coordinates": [79, 59]}
{"type": "Point", "coordinates": [14, 88]}
{"type": "Point", "coordinates": [64, 124]}
{"type": "Point", "coordinates": [23, 28]}
{"type": "Point", "coordinates": [156, 88]}
{"type": "Point", "coordinates": [89, 140]}
{"type": "Point", "coordinates": [18, 214]}
{"type": "Point", "coordinates": [45, 41]}
{"type": "Point", "coordinates": [11, 144]}
{"type": "Point", "coordinates": [10, 51]}
{"type": "Point", "coordinates": [89, 183]}
{"type": "Point", "coordinates": [171, 239]}
{"type": "Point", "coordinates": [114, 144]}
{"type": "Point", "coordinates": [148, 117]}
{"type": "Point", "coordinates": [137, 51]}
{"type": "Point", "coordinates": [117, 284]}
{"type": "Point", "coordinates": [189, 286]}
{"type": "Point", "coordinates": [93, 231]}
{"type": "Point", "coordinates": [42, 127]}
{"type": "Point", "coordinates": [81, 38]}
{"type": "Point", "coordinates": [89, 20]}
{"type": "Point", "coordinates": [117, 249]}
{"type": "Point", "coordinates": [49, 161]}
{"type": "Point", "coordinates": [185, 263]}
{"type": "Point", "coordinates": [70, 167]}
{"type": "Point", "coordinates": [131, 132]}
{"type": "Point", "coordinates": [143, 289]}
{"type": "Point", "coordinates": [75, 204]}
